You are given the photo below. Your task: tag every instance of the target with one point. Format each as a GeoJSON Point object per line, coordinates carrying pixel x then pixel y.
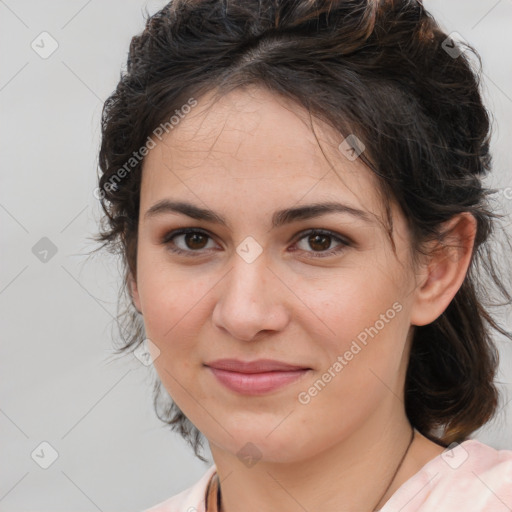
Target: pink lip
{"type": "Point", "coordinates": [255, 377]}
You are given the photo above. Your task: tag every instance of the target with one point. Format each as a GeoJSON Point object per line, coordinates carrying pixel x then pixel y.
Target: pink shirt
{"type": "Point", "coordinates": [471, 477]}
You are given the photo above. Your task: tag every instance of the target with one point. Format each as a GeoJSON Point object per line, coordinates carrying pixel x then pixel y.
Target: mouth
{"type": "Point", "coordinates": [255, 377]}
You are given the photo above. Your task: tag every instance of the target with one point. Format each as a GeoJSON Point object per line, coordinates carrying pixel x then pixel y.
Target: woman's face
{"type": "Point", "coordinates": [258, 285]}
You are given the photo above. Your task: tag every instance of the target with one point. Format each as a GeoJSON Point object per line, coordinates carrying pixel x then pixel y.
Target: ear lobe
{"type": "Point", "coordinates": [445, 269]}
{"type": "Point", "coordinates": [134, 292]}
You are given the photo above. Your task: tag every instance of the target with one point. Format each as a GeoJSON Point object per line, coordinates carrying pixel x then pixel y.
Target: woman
{"type": "Point", "coordinates": [295, 189]}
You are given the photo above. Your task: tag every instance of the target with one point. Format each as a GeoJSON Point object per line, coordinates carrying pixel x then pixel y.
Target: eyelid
{"type": "Point", "coordinates": [169, 236]}
{"type": "Point", "coordinates": [341, 238]}
{"type": "Point", "coordinates": [344, 242]}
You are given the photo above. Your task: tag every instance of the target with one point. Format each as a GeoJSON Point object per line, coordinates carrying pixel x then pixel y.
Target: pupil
{"type": "Point", "coordinates": [317, 242]}
{"type": "Point", "coordinates": [192, 238]}
{"type": "Point", "coordinates": [314, 241]}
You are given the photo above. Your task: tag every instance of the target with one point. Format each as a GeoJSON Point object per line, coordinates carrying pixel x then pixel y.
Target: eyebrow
{"type": "Point", "coordinates": [279, 218]}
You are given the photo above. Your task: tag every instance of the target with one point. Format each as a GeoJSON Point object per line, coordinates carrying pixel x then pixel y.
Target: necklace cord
{"type": "Point", "coordinates": [214, 501]}
{"type": "Point", "coordinates": [396, 470]}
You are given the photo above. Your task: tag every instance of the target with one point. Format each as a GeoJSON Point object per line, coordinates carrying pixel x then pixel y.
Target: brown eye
{"type": "Point", "coordinates": [188, 241]}
{"type": "Point", "coordinates": [195, 240]}
{"type": "Point", "coordinates": [321, 243]}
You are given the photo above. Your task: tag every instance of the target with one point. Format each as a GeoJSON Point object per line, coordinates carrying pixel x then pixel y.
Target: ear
{"type": "Point", "coordinates": [445, 268]}
{"type": "Point", "coordinates": [134, 292]}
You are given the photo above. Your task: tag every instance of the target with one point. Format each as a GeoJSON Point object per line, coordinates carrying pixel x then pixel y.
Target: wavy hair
{"type": "Point", "coordinates": [381, 69]}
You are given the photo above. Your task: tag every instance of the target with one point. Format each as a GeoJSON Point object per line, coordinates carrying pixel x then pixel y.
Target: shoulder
{"type": "Point", "coordinates": [189, 500]}
{"type": "Point", "coordinates": [468, 476]}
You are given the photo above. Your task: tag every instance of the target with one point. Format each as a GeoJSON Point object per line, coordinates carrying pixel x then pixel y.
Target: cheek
{"type": "Point", "coordinates": [167, 290]}
{"type": "Point", "coordinates": [354, 301]}
{"type": "Point", "coordinates": [175, 307]}
{"type": "Point", "coordinates": [362, 347]}
{"type": "Point", "coordinates": [176, 310]}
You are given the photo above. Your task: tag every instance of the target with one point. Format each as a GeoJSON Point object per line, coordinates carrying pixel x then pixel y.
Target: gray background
{"type": "Point", "coordinates": [60, 383]}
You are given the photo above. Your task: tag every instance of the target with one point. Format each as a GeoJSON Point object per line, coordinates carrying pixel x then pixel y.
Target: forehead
{"type": "Point", "coordinates": [252, 142]}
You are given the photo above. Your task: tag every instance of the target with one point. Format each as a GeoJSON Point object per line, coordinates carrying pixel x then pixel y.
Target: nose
{"type": "Point", "coordinates": [252, 300]}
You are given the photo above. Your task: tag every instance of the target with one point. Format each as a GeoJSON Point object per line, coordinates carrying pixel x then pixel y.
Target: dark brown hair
{"type": "Point", "coordinates": [382, 70]}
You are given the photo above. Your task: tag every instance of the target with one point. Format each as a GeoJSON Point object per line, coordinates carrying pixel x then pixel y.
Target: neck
{"type": "Point", "coordinates": [350, 475]}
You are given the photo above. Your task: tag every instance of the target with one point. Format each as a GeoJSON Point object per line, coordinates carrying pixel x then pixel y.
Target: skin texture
{"type": "Point", "coordinates": [246, 156]}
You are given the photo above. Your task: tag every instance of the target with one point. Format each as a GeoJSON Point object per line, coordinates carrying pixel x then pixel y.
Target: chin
{"type": "Point", "coordinates": [252, 446]}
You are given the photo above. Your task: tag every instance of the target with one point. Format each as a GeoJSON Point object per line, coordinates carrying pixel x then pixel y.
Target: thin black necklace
{"type": "Point", "coordinates": [397, 469]}
{"type": "Point", "coordinates": [219, 498]}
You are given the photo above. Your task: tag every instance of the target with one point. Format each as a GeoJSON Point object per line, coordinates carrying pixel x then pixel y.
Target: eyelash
{"type": "Point", "coordinates": [167, 240]}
